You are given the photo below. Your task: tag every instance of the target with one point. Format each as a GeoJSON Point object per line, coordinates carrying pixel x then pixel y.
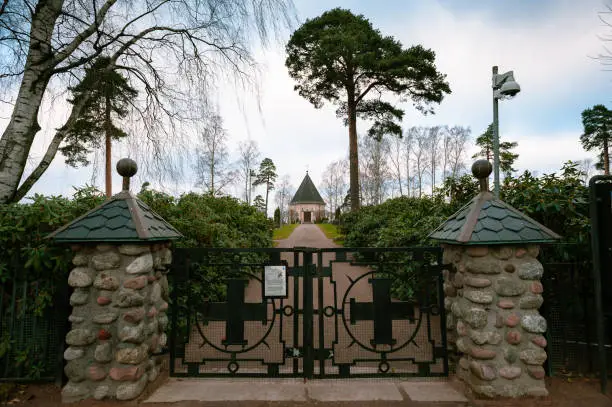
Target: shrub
{"type": "Point", "coordinates": [208, 221]}
{"type": "Point", "coordinates": [204, 220]}
{"type": "Point", "coordinates": [558, 201]}
{"type": "Point", "coordinates": [32, 271]}
{"type": "Point", "coordinates": [397, 222]}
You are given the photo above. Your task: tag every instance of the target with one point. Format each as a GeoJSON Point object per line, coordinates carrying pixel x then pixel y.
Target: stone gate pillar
{"type": "Point", "coordinates": [121, 257]}
{"type": "Point", "coordinates": [493, 293]}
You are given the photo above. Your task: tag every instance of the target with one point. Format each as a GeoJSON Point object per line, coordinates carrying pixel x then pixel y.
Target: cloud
{"type": "Point", "coordinates": [550, 60]}
{"type": "Point", "coordinates": [548, 47]}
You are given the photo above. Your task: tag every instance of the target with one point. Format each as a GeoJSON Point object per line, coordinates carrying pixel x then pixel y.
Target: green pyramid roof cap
{"type": "Point", "coordinates": [123, 218]}
{"type": "Point", "coordinates": [307, 193]}
{"type": "Point", "coordinates": [487, 220]}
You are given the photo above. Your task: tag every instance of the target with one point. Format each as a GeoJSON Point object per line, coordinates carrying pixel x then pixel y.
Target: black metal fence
{"type": "Point", "coordinates": [343, 312]}
{"type": "Point", "coordinates": [32, 335]}
{"type": "Point", "coordinates": [33, 323]}
{"type": "Point", "coordinates": [569, 308]}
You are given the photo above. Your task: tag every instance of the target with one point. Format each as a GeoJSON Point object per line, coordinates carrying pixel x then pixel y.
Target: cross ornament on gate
{"type": "Point", "coordinates": [382, 311]}
{"type": "Point", "coordinates": [235, 312]}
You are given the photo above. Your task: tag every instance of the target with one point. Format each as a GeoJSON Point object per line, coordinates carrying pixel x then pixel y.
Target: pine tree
{"type": "Point", "coordinates": [260, 204]}
{"type": "Point", "coordinates": [109, 95]}
{"type": "Point", "coordinates": [597, 123]}
{"type": "Point", "coordinates": [506, 156]}
{"type": "Point", "coordinates": [339, 57]}
{"type": "Point", "coordinates": [266, 176]}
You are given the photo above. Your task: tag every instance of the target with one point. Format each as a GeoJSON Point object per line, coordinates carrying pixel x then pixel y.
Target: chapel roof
{"type": "Point", "coordinates": [307, 193]}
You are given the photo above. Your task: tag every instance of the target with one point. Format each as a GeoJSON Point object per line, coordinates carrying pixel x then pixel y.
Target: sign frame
{"type": "Point", "coordinates": [275, 268]}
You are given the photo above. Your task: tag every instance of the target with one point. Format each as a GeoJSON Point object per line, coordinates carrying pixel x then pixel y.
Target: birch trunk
{"type": "Point", "coordinates": [52, 149]}
{"type": "Point", "coordinates": [19, 134]}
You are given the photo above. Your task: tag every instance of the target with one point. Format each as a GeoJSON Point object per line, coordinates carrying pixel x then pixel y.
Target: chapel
{"type": "Point", "coordinates": [307, 206]}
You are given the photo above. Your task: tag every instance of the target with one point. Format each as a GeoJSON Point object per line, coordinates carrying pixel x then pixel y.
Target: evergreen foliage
{"type": "Point", "coordinates": [266, 176]}
{"type": "Point", "coordinates": [341, 58]}
{"type": "Point", "coordinates": [259, 204]}
{"type": "Point", "coordinates": [597, 123]}
{"type": "Point", "coordinates": [107, 94]}
{"type": "Point", "coordinates": [506, 156]}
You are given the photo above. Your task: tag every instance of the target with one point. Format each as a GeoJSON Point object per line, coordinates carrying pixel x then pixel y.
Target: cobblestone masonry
{"type": "Point", "coordinates": [492, 300]}
{"type": "Point", "coordinates": [118, 320]}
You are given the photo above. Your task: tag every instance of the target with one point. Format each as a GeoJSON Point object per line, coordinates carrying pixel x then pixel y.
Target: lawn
{"type": "Point", "coordinates": [331, 231]}
{"type": "Point", "coordinates": [284, 231]}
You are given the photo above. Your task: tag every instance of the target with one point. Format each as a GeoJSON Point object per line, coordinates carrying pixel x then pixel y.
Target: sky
{"type": "Point", "coordinates": [550, 45]}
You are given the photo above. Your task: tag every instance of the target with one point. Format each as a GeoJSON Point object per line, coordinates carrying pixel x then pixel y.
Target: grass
{"type": "Point", "coordinates": [331, 231]}
{"type": "Point", "coordinates": [284, 231]}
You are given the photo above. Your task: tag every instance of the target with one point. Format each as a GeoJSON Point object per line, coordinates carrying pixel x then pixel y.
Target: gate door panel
{"type": "Point", "coordinates": [382, 313]}
{"type": "Point", "coordinates": [348, 312]}
{"type": "Point", "coordinates": [223, 324]}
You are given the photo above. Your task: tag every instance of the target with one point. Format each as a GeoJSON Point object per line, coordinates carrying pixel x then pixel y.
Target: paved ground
{"type": "Point", "coordinates": [307, 235]}
{"type": "Point", "coordinates": [293, 390]}
{"type": "Point", "coordinates": [563, 393]}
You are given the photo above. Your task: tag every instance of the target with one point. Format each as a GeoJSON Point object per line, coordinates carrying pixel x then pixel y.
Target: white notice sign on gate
{"type": "Point", "coordinates": [275, 281]}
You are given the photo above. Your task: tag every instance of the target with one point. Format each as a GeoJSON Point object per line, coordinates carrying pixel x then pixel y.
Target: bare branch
{"type": "Point", "coordinates": [76, 42]}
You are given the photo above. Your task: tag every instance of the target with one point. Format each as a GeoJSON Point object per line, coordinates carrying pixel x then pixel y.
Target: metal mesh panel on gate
{"type": "Point", "coordinates": [346, 312]}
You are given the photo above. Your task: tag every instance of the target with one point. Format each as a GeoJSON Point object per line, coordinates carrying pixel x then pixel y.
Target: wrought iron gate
{"type": "Point", "coordinates": [348, 312]}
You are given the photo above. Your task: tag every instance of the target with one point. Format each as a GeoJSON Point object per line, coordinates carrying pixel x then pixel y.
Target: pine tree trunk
{"type": "Point", "coordinates": [606, 158]}
{"type": "Point", "coordinates": [267, 192]}
{"type": "Point", "coordinates": [108, 169]}
{"type": "Point", "coordinates": [353, 153]}
{"type": "Point", "coordinates": [22, 127]}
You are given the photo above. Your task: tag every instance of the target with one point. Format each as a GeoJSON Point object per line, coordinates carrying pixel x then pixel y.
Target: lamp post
{"type": "Point", "coordinates": [504, 87]}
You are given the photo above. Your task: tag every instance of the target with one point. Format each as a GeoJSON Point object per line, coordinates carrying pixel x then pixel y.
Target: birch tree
{"type": "Point", "coordinates": [248, 162]}
{"type": "Point", "coordinates": [335, 184]}
{"type": "Point", "coordinates": [459, 138]}
{"type": "Point", "coordinates": [434, 136]}
{"type": "Point", "coordinates": [446, 150]}
{"type": "Point", "coordinates": [409, 137]}
{"type": "Point", "coordinates": [374, 169]}
{"type": "Point", "coordinates": [587, 169]}
{"type": "Point", "coordinates": [395, 151]}
{"type": "Point", "coordinates": [421, 154]}
{"type": "Point", "coordinates": [161, 46]}
{"type": "Point", "coordinates": [213, 169]}
{"type": "Point", "coordinates": [284, 192]}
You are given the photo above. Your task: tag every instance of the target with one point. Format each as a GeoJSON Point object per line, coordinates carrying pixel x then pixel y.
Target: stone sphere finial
{"type": "Point", "coordinates": [127, 168]}
{"type": "Point", "coordinates": [481, 169]}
